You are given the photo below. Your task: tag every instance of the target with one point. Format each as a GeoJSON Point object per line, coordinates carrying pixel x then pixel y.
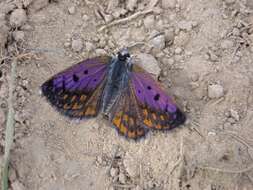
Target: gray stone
{"type": "Point", "coordinates": [122, 178]}
{"type": "Point", "coordinates": [19, 36]}
{"type": "Point", "coordinates": [149, 21]}
{"type": "Point", "coordinates": [131, 165]}
{"type": "Point", "coordinates": [18, 18]}
{"type": "Point", "coordinates": [131, 4]}
{"type": "Point", "coordinates": [72, 10]}
{"type": "Point", "coordinates": [234, 114]}
{"type": "Point", "coordinates": [169, 4]}
{"type": "Point", "coordinates": [158, 42]}
{"type": "Point", "coordinates": [114, 172]}
{"type": "Point", "coordinates": [37, 5]}
{"type": "Point", "coordinates": [215, 91]}
{"type": "Point", "coordinates": [77, 45]}
{"type": "Point", "coordinates": [2, 117]}
{"type": "Point", "coordinates": [148, 62]}
{"type": "Point", "coordinates": [3, 35]}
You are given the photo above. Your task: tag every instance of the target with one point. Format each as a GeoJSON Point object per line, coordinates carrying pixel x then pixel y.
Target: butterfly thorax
{"type": "Point", "coordinates": [117, 80]}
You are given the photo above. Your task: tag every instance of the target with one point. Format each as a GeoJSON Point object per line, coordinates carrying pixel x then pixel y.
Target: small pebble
{"type": "Point", "coordinates": [122, 178]}
{"type": "Point", "coordinates": [236, 32]}
{"type": "Point", "coordinates": [72, 10]}
{"type": "Point", "coordinates": [158, 42]}
{"type": "Point", "coordinates": [131, 4]}
{"type": "Point", "coordinates": [149, 21]}
{"type": "Point", "coordinates": [3, 35]}
{"type": "Point", "coordinates": [100, 52]}
{"type": "Point", "coordinates": [178, 50]}
{"type": "Point", "coordinates": [195, 77]}
{"type": "Point", "coordinates": [215, 91]}
{"type": "Point", "coordinates": [227, 44]}
{"type": "Point", "coordinates": [89, 46]}
{"type": "Point", "coordinates": [114, 172]}
{"type": "Point", "coordinates": [169, 36]}
{"type": "Point", "coordinates": [169, 4]}
{"type": "Point", "coordinates": [18, 18]}
{"type": "Point", "coordinates": [16, 185]}
{"type": "Point", "coordinates": [131, 165]}
{"type": "Point", "coordinates": [182, 39]}
{"type": "Point", "coordinates": [77, 45]}
{"type": "Point", "coordinates": [19, 36]}
{"type": "Point", "coordinates": [85, 18]}
{"type": "Point", "coordinates": [2, 117]}
{"type": "Point", "coordinates": [234, 114]}
{"type": "Point", "coordinates": [138, 188]}
{"type": "Point", "coordinates": [37, 5]}
{"type": "Point", "coordinates": [231, 120]}
{"type": "Point", "coordinates": [67, 44]}
{"type": "Point", "coordinates": [229, 1]}
{"type": "Point", "coordinates": [185, 25]}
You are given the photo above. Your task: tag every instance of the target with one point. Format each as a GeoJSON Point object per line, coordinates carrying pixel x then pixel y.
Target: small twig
{"type": "Point", "coordinates": [181, 157]}
{"type": "Point", "coordinates": [127, 19]}
{"type": "Point", "coordinates": [250, 178]}
{"type": "Point", "coordinates": [9, 127]}
{"type": "Point", "coordinates": [228, 171]}
{"type": "Point", "coordinates": [126, 186]}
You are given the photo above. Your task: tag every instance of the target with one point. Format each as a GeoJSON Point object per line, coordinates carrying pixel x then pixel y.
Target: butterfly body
{"type": "Point", "coordinates": [124, 92]}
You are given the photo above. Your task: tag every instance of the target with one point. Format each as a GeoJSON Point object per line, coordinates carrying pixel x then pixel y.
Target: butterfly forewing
{"type": "Point", "coordinates": [77, 91]}
{"type": "Point", "coordinates": [157, 108]}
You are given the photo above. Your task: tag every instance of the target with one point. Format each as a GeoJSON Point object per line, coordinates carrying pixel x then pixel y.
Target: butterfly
{"type": "Point", "coordinates": [128, 96]}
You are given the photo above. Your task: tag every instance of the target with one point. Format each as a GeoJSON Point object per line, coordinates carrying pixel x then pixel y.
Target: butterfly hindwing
{"type": "Point", "coordinates": [77, 91]}
{"type": "Point", "coordinates": [126, 116]}
{"type": "Point", "coordinates": [157, 108]}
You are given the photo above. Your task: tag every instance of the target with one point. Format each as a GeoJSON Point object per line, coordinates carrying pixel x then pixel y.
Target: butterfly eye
{"type": "Point", "coordinates": [149, 88]}
{"type": "Point", "coordinates": [139, 91]}
{"type": "Point", "coordinates": [85, 72]}
{"type": "Point", "coordinates": [75, 78]}
{"type": "Point", "coordinates": [157, 97]}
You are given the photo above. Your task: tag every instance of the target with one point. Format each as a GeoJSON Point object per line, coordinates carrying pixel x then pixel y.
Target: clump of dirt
{"type": "Point", "coordinates": [201, 50]}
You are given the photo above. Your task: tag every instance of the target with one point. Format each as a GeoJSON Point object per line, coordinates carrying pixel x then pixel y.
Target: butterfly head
{"type": "Point", "coordinates": [123, 55]}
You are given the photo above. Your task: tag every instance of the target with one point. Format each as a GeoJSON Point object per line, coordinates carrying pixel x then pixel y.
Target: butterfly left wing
{"type": "Point", "coordinates": [157, 108]}
{"type": "Point", "coordinates": [76, 91]}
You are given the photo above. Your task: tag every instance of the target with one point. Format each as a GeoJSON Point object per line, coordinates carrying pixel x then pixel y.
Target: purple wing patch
{"type": "Point", "coordinates": [77, 90]}
{"type": "Point", "coordinates": [158, 109]}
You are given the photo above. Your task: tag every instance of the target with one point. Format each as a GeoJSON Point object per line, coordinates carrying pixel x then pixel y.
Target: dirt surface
{"type": "Point", "coordinates": [205, 52]}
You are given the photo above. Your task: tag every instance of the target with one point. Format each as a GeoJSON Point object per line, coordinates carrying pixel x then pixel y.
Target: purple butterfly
{"type": "Point", "coordinates": [125, 93]}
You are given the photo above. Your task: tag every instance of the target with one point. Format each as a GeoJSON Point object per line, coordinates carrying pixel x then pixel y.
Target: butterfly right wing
{"type": "Point", "coordinates": [77, 91]}
{"type": "Point", "coordinates": [157, 107]}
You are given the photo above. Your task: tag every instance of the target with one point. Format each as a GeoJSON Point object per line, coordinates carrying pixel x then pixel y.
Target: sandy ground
{"type": "Point", "coordinates": [205, 52]}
